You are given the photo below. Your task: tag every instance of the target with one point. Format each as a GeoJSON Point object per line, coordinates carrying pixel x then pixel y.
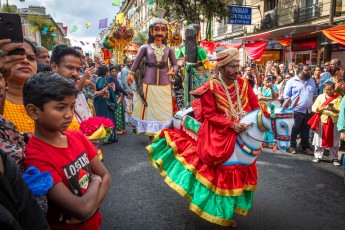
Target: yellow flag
{"type": "Point", "coordinates": [53, 28]}
{"type": "Point", "coordinates": [120, 18]}
{"type": "Point", "coordinates": [88, 24]}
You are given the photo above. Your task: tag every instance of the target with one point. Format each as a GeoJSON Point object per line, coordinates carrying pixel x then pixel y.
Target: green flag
{"type": "Point", "coordinates": [116, 2]}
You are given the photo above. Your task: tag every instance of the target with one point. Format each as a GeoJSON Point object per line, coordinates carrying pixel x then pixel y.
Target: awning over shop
{"type": "Point", "coordinates": [336, 33]}
{"type": "Point", "coordinates": [285, 32]}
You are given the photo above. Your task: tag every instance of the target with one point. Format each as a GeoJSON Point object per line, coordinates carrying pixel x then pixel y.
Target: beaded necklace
{"type": "Point", "coordinates": [158, 51]}
{"type": "Point", "coordinates": [236, 114]}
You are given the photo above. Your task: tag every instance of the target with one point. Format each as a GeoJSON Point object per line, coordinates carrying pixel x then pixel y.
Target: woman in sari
{"type": "Point", "coordinates": [120, 92]}
{"type": "Point", "coordinates": [105, 103]}
{"type": "Point", "coordinates": [267, 93]}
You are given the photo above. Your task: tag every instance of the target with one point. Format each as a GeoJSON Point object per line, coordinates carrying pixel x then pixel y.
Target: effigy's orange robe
{"type": "Point", "coordinates": [18, 116]}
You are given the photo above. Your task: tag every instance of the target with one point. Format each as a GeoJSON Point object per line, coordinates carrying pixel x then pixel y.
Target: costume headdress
{"type": "Point", "coordinates": [226, 56]}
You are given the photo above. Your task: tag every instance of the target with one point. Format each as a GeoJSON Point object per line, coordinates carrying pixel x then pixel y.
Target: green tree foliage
{"type": "Point", "coordinates": [9, 8]}
{"type": "Point", "coordinates": [48, 41]}
{"type": "Point", "coordinates": [195, 11]}
{"type": "Point", "coordinates": [139, 38]}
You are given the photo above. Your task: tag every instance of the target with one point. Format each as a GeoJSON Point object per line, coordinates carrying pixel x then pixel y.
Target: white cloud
{"type": "Point", "coordinates": [76, 12]}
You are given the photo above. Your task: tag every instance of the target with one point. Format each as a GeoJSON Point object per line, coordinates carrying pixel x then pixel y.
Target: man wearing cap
{"type": "Point", "coordinates": [153, 109]}
{"type": "Point", "coordinates": [196, 166]}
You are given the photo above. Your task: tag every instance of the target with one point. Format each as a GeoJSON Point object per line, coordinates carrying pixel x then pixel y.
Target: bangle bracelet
{"type": "Point", "coordinates": [97, 177]}
{"type": "Point", "coordinates": [131, 72]}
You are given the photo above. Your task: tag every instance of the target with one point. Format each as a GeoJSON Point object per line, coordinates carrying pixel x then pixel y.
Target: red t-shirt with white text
{"type": "Point", "coordinates": [70, 166]}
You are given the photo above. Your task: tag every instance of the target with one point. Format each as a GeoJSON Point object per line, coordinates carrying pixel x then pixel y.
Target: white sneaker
{"type": "Point", "coordinates": [316, 160]}
{"type": "Point", "coordinates": [336, 163]}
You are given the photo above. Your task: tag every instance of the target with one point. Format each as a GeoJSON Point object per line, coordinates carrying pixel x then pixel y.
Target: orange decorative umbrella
{"type": "Point", "coordinates": [131, 48]}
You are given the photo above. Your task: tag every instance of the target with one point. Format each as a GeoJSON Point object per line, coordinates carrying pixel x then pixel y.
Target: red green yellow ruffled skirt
{"type": "Point", "coordinates": [215, 193]}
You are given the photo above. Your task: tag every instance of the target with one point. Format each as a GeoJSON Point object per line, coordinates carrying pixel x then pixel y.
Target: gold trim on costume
{"type": "Point", "coordinates": [208, 217]}
{"type": "Point", "coordinates": [241, 211]}
{"type": "Point", "coordinates": [203, 180]}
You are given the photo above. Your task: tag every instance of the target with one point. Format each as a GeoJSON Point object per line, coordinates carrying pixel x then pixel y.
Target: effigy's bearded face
{"type": "Point", "coordinates": [159, 31]}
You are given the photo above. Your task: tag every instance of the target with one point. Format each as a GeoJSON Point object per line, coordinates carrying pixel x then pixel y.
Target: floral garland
{"type": "Point", "coordinates": [236, 114]}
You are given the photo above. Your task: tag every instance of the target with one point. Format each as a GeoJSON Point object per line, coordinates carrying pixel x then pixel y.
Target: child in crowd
{"type": "Point", "coordinates": [324, 122]}
{"type": "Point", "coordinates": [80, 179]}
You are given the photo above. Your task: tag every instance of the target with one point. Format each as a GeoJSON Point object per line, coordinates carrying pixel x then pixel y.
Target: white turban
{"type": "Point", "coordinates": [226, 56]}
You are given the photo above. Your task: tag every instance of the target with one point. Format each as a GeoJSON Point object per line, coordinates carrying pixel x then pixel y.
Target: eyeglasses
{"type": "Point", "coordinates": [157, 28]}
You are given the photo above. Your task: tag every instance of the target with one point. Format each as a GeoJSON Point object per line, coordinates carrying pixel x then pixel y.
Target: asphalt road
{"type": "Point", "coordinates": [292, 193]}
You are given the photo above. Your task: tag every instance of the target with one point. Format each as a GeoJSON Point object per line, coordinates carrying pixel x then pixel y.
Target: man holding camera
{"type": "Point", "coordinates": [305, 87]}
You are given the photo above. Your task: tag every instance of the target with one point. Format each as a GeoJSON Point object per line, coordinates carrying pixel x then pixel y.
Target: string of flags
{"type": "Point", "coordinates": [103, 23]}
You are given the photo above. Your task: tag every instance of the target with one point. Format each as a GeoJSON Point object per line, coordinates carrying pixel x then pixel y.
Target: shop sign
{"type": "Point", "coordinates": [338, 48]}
{"type": "Point", "coordinates": [240, 15]}
{"type": "Point", "coordinates": [305, 44]}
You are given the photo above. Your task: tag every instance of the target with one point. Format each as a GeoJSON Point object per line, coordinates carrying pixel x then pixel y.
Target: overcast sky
{"type": "Point", "coordinates": [76, 12]}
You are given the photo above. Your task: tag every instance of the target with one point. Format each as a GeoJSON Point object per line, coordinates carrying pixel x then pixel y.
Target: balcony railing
{"type": "Point", "coordinates": [307, 13]}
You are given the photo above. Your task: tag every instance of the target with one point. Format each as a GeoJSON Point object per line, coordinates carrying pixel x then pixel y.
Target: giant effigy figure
{"type": "Point", "coordinates": [153, 107]}
{"type": "Point", "coordinates": [197, 63]}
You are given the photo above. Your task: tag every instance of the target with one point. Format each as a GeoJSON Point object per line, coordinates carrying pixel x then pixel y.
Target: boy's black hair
{"type": "Point", "coordinates": [45, 87]}
{"type": "Point", "coordinates": [102, 70]}
{"type": "Point", "coordinates": [113, 67]}
{"type": "Point", "coordinates": [60, 51]}
{"type": "Point", "coordinates": [329, 83]}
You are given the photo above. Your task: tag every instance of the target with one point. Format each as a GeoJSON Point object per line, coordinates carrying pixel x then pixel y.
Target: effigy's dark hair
{"type": "Point", "coordinates": [60, 51]}
{"type": "Point", "coordinates": [191, 34]}
{"type": "Point", "coordinates": [45, 87]}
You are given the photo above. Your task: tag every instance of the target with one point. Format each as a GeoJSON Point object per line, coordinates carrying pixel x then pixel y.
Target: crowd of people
{"type": "Point", "coordinates": [319, 115]}
{"type": "Point", "coordinates": [45, 96]}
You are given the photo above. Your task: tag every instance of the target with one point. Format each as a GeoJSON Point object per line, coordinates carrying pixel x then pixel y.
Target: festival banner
{"type": "Point", "coordinates": [103, 23]}
{"type": "Point", "coordinates": [255, 50]}
{"type": "Point", "coordinates": [116, 2]}
{"type": "Point", "coordinates": [88, 24]}
{"type": "Point", "coordinates": [45, 30]}
{"type": "Point", "coordinates": [120, 18]}
{"type": "Point", "coordinates": [74, 28]}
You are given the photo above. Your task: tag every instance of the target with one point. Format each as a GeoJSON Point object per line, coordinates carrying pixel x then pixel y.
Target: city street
{"type": "Point", "coordinates": [293, 193]}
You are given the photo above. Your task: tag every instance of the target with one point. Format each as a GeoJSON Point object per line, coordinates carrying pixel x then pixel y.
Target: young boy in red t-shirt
{"type": "Point", "coordinates": [80, 179]}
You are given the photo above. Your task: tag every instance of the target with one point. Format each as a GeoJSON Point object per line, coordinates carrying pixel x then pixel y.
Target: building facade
{"type": "Point", "coordinates": [285, 19]}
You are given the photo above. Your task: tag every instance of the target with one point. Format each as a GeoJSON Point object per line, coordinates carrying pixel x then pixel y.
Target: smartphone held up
{"type": "Point", "coordinates": [11, 28]}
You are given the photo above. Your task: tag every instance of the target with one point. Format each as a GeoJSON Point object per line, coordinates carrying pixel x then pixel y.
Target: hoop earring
{"type": "Point", "coordinates": [6, 88]}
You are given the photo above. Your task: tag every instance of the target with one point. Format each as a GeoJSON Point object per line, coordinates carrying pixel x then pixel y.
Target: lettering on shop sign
{"type": "Point", "coordinates": [240, 15]}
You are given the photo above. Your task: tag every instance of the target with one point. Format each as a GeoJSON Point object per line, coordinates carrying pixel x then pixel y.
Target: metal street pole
{"type": "Point", "coordinates": [329, 41]}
